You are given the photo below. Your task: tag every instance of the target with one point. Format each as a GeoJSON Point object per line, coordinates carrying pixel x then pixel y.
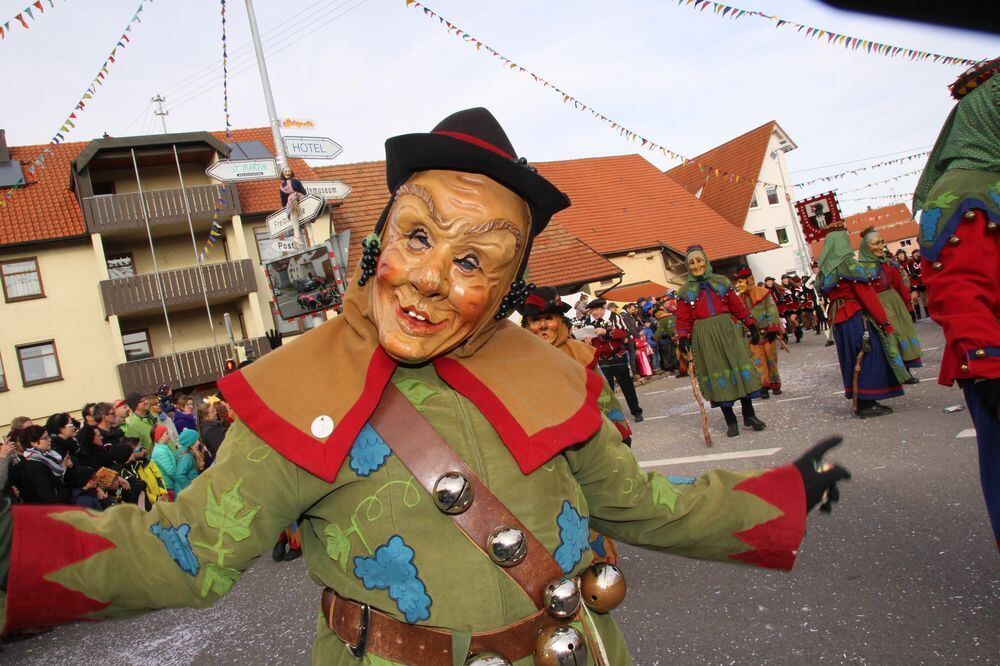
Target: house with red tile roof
{"type": "Point", "coordinates": [894, 223]}
{"type": "Point", "coordinates": [103, 290]}
{"type": "Point", "coordinates": [746, 181]}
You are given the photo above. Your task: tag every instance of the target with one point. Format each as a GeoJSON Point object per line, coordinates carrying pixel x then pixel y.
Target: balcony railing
{"type": "Point", "coordinates": [118, 212]}
{"type": "Point", "coordinates": [181, 287]}
{"type": "Point", "coordinates": [183, 369]}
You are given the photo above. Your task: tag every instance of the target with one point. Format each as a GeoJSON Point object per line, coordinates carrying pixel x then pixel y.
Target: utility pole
{"type": "Point", "coordinates": [279, 145]}
{"type": "Point", "coordinates": [160, 99]}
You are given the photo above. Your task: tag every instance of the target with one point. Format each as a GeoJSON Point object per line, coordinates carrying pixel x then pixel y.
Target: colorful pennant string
{"type": "Point", "coordinates": [216, 231]}
{"type": "Point", "coordinates": [68, 125]}
{"type": "Point", "coordinates": [630, 135]}
{"type": "Point", "coordinates": [881, 182]}
{"type": "Point", "coordinates": [857, 170]}
{"type": "Point", "coordinates": [903, 195]}
{"type": "Point", "coordinates": [832, 38]}
{"type": "Point", "coordinates": [29, 11]}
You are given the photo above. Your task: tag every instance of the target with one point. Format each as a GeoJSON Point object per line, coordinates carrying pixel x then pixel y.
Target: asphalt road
{"type": "Point", "coordinates": [903, 572]}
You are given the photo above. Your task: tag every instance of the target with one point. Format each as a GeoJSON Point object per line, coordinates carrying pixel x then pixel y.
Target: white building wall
{"type": "Point", "coordinates": [771, 219]}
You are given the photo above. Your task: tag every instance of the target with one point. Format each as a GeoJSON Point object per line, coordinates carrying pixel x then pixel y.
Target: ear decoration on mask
{"type": "Point", "coordinates": [371, 247]}
{"type": "Point", "coordinates": [519, 291]}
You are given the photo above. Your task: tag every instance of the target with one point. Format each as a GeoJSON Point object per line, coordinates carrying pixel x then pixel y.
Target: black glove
{"type": "Point", "coordinates": [988, 392]}
{"type": "Point", "coordinates": [821, 483]}
{"type": "Point", "coordinates": [274, 339]}
{"type": "Point", "coordinates": [754, 334]}
{"type": "Point", "coordinates": [771, 336]}
{"type": "Point", "coordinates": [684, 345]}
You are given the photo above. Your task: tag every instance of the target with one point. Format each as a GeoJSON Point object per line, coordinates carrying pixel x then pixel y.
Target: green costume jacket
{"type": "Point", "coordinates": [368, 530]}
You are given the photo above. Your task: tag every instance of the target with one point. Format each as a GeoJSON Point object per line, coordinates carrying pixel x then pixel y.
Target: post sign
{"type": "Point", "coordinates": [328, 189]}
{"type": "Point", "coordinates": [229, 171]}
{"type": "Point", "coordinates": [279, 224]}
{"type": "Point", "coordinates": [312, 147]}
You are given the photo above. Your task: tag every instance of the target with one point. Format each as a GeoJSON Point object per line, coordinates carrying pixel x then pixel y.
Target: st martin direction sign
{"type": "Point", "coordinates": [279, 224]}
{"type": "Point", "coordinates": [229, 171]}
{"type": "Point", "coordinates": [328, 189]}
{"type": "Point", "coordinates": [312, 147]}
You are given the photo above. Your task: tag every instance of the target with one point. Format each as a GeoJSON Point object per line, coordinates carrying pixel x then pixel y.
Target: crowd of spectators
{"type": "Point", "coordinates": [139, 450]}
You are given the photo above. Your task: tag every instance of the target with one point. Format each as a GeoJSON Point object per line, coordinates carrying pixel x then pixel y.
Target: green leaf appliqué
{"type": "Point", "coordinates": [229, 513]}
{"type": "Point", "coordinates": [218, 579]}
{"type": "Point", "coordinates": [664, 492]}
{"type": "Point", "coordinates": [338, 545]}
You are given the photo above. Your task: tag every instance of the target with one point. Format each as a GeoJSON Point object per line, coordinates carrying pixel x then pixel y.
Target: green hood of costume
{"type": "Point", "coordinates": [970, 139]}
{"type": "Point", "coordinates": [837, 261]}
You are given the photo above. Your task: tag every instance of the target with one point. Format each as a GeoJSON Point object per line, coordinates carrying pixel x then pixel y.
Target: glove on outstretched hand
{"type": "Point", "coordinates": [754, 334]}
{"type": "Point", "coordinates": [819, 483]}
{"type": "Point", "coordinates": [988, 392]}
{"type": "Point", "coordinates": [274, 338]}
{"type": "Point", "coordinates": [684, 345]}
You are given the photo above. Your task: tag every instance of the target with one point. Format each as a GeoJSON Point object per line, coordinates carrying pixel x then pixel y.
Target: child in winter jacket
{"type": "Point", "coordinates": [188, 461]}
{"type": "Point", "coordinates": [164, 457]}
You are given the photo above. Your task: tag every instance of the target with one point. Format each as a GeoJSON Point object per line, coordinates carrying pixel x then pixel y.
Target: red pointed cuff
{"type": "Point", "coordinates": [42, 545]}
{"type": "Point", "coordinates": [775, 544]}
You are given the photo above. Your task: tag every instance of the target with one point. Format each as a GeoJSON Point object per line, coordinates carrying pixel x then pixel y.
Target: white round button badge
{"type": "Point", "coordinates": [322, 426]}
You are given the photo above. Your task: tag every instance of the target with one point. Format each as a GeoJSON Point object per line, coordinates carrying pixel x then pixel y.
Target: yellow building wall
{"type": "Point", "coordinates": [71, 314]}
{"type": "Point", "coordinates": [154, 178]}
{"type": "Point", "coordinates": [190, 328]}
{"type": "Point", "coordinates": [641, 266]}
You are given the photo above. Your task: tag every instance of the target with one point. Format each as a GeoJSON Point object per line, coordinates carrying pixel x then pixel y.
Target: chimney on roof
{"type": "Point", "coordinates": [4, 152]}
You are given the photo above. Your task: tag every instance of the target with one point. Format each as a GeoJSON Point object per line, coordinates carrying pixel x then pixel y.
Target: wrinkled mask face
{"type": "Point", "coordinates": [741, 284]}
{"type": "Point", "coordinates": [452, 244]}
{"type": "Point", "coordinates": [876, 244]}
{"type": "Point", "coordinates": [545, 326]}
{"type": "Point", "coordinates": [696, 264]}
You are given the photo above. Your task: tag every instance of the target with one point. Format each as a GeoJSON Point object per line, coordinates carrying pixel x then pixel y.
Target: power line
{"type": "Point", "coordinates": [292, 40]}
{"type": "Point", "coordinates": [860, 159]}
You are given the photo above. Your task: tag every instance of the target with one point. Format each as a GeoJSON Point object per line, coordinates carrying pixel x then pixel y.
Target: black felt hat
{"type": "Point", "coordinates": [473, 141]}
{"type": "Point", "coordinates": [596, 303]}
{"type": "Point", "coordinates": [544, 300]}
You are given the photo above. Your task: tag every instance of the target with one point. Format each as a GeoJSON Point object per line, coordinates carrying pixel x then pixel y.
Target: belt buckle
{"type": "Point", "coordinates": [358, 651]}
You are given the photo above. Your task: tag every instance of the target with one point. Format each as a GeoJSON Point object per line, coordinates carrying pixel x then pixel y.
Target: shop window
{"type": "Point", "coordinates": [21, 280]}
{"type": "Point", "coordinates": [39, 363]}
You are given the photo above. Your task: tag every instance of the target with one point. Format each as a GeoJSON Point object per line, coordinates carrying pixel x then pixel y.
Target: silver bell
{"type": "Point", "coordinates": [486, 659]}
{"type": "Point", "coordinates": [506, 546]}
{"type": "Point", "coordinates": [562, 598]}
{"type": "Point", "coordinates": [560, 646]}
{"type": "Point", "coordinates": [453, 493]}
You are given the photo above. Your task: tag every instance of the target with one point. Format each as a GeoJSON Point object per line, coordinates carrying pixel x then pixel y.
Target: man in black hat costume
{"type": "Point", "coordinates": [611, 342]}
{"type": "Point", "coordinates": [444, 463]}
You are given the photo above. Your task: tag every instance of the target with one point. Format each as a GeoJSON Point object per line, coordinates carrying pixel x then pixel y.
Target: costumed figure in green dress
{"type": "Point", "coordinates": [890, 284]}
{"type": "Point", "coordinates": [707, 305]}
{"type": "Point", "coordinates": [444, 464]}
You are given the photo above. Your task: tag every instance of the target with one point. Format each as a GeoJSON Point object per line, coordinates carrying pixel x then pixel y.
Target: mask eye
{"type": "Point", "coordinates": [418, 240]}
{"type": "Point", "coordinates": [468, 263]}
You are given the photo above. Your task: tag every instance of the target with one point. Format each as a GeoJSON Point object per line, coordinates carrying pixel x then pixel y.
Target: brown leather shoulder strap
{"type": "Point", "coordinates": [428, 457]}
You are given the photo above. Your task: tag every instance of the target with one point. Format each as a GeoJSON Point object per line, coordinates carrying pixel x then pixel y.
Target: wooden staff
{"type": "Point", "coordinates": [701, 403]}
{"type": "Point", "coordinates": [783, 345]}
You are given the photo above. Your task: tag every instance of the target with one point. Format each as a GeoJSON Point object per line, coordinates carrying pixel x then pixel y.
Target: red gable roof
{"type": "Point", "coordinates": [629, 293]}
{"type": "Point", "coordinates": [744, 156]}
{"type": "Point", "coordinates": [46, 209]}
{"type": "Point", "coordinates": [625, 203]}
{"type": "Point", "coordinates": [893, 222]}
{"type": "Point", "coordinates": [557, 258]}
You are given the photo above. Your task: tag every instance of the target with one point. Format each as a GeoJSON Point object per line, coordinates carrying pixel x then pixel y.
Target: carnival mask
{"type": "Point", "coordinates": [452, 245]}
{"type": "Point", "coordinates": [696, 264]}
{"type": "Point", "coordinates": [876, 244]}
{"type": "Point", "coordinates": [741, 284]}
{"type": "Point", "coordinates": [545, 326]}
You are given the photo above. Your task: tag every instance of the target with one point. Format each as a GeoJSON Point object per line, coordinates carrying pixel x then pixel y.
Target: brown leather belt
{"type": "Point", "coordinates": [404, 643]}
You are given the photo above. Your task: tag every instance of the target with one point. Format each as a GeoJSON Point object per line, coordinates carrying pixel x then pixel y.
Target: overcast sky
{"type": "Point", "coordinates": [364, 70]}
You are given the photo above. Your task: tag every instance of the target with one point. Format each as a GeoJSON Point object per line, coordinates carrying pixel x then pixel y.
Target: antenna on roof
{"type": "Point", "coordinates": [160, 99]}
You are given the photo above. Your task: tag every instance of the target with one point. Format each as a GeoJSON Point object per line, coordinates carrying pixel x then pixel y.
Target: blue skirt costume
{"type": "Point", "coordinates": [876, 380]}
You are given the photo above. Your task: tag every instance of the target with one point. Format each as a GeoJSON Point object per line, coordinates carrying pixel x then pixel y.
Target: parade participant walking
{"type": "Point", "coordinates": [612, 355]}
{"type": "Point", "coordinates": [790, 306]}
{"type": "Point", "coordinates": [384, 459]}
{"type": "Point", "coordinates": [764, 311]}
{"type": "Point", "coordinates": [807, 304]}
{"type": "Point", "coordinates": [959, 198]}
{"type": "Point", "coordinates": [888, 282]}
{"type": "Point", "coordinates": [708, 304]}
{"type": "Point", "coordinates": [857, 318]}
{"type": "Point", "coordinates": [918, 290]}
{"type": "Point", "coordinates": [666, 331]}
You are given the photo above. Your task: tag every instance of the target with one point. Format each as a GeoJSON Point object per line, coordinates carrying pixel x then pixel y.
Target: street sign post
{"type": "Point", "coordinates": [328, 189]}
{"type": "Point", "coordinates": [279, 224]}
{"type": "Point", "coordinates": [229, 171]}
{"type": "Point", "coordinates": [312, 147]}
